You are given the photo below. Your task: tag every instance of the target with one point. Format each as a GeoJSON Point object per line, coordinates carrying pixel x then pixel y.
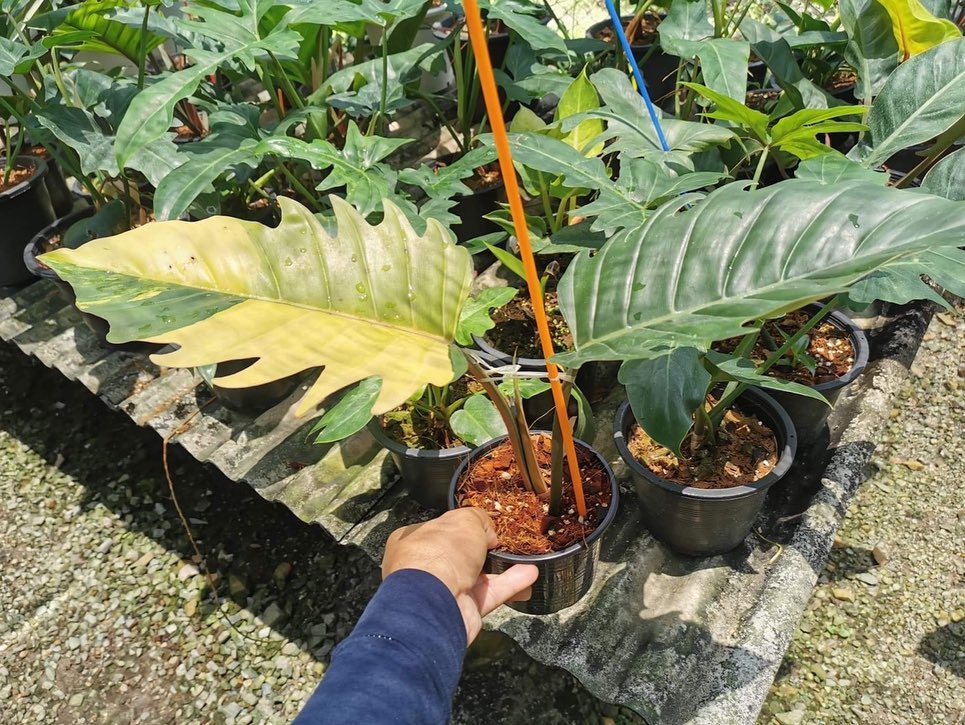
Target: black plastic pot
{"type": "Point", "coordinates": [60, 197]}
{"type": "Point", "coordinates": [257, 398]}
{"type": "Point", "coordinates": [564, 576]}
{"type": "Point", "coordinates": [471, 208]}
{"type": "Point", "coordinates": [25, 209]}
{"type": "Point", "coordinates": [97, 325]}
{"type": "Point", "coordinates": [809, 415]}
{"type": "Point", "coordinates": [698, 521]}
{"type": "Point", "coordinates": [426, 474]}
{"type": "Point", "coordinates": [659, 69]}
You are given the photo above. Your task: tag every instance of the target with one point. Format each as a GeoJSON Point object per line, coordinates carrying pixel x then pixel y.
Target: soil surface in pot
{"type": "Point", "coordinates": [17, 176]}
{"type": "Point", "coordinates": [844, 78]}
{"type": "Point", "coordinates": [829, 347]}
{"type": "Point", "coordinates": [760, 98]}
{"type": "Point", "coordinates": [415, 428]}
{"type": "Point", "coordinates": [515, 331]}
{"type": "Point", "coordinates": [484, 178]}
{"type": "Point", "coordinates": [520, 517]}
{"type": "Point", "coordinates": [49, 245]}
{"type": "Point", "coordinates": [746, 451]}
{"type": "Point", "coordinates": [642, 32]}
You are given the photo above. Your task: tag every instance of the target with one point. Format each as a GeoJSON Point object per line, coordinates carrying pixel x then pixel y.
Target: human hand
{"type": "Point", "coordinates": [453, 549]}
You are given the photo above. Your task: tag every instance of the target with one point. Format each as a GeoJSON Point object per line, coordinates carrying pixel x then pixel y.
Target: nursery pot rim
{"type": "Point", "coordinates": [553, 555]}
{"type": "Point", "coordinates": [32, 250]}
{"type": "Point", "coordinates": [505, 359]}
{"type": "Point", "coordinates": [424, 453]}
{"type": "Point", "coordinates": [624, 418]}
{"type": "Point", "coordinates": [600, 24]}
{"type": "Point", "coordinates": [39, 170]}
{"type": "Point", "coordinates": [859, 342]}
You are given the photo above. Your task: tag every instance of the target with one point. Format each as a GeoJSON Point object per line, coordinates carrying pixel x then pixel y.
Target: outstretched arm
{"type": "Point", "coordinates": [402, 661]}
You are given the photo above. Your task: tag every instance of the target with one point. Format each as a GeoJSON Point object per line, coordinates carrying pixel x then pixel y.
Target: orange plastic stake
{"type": "Point", "coordinates": [493, 107]}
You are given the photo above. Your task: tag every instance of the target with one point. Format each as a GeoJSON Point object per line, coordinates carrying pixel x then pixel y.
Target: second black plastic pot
{"type": "Point", "coordinates": [25, 209]}
{"type": "Point", "coordinates": [97, 325]}
{"type": "Point", "coordinates": [564, 576]}
{"type": "Point", "coordinates": [426, 474]}
{"type": "Point", "coordinates": [658, 68]}
{"type": "Point", "coordinates": [810, 415]}
{"type": "Point", "coordinates": [701, 521]}
{"type": "Point", "coordinates": [257, 398]}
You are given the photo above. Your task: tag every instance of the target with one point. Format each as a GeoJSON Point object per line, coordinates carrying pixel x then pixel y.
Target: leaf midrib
{"type": "Point", "coordinates": [258, 298]}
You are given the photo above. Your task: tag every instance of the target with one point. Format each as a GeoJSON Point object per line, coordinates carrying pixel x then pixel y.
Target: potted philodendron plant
{"type": "Point", "coordinates": [377, 305]}
{"type": "Point", "coordinates": [700, 270]}
{"type": "Point", "coordinates": [25, 209]}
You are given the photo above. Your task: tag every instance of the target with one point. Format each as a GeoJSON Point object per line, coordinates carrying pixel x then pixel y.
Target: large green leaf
{"type": "Point", "coordinates": [665, 391]}
{"type": "Point", "coordinates": [723, 62]}
{"type": "Point", "coordinates": [915, 28]}
{"type": "Point", "coordinates": [923, 97]}
{"type": "Point", "coordinates": [580, 97]}
{"type": "Point", "coordinates": [947, 177]}
{"type": "Point", "coordinates": [742, 370]}
{"type": "Point", "coordinates": [872, 49]}
{"type": "Point", "coordinates": [524, 19]}
{"type": "Point", "coordinates": [370, 301]}
{"type": "Point", "coordinates": [690, 277]}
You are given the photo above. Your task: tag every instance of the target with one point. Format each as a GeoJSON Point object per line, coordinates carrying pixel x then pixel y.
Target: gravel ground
{"type": "Point", "coordinates": [883, 637]}
{"type": "Point", "coordinates": [106, 618]}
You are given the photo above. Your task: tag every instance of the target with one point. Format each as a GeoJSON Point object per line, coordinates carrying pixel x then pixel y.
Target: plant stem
{"type": "Point", "coordinates": [384, 97]}
{"type": "Point", "coordinates": [556, 458]}
{"type": "Point", "coordinates": [717, 413]}
{"type": "Point", "coordinates": [518, 439]}
{"type": "Point", "coordinates": [545, 196]}
{"type": "Point", "coordinates": [299, 187]}
{"type": "Point", "coordinates": [456, 136]}
{"type": "Point", "coordinates": [142, 52]}
{"type": "Point", "coordinates": [760, 167]}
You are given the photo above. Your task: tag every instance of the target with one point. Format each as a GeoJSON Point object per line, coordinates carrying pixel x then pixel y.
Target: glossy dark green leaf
{"type": "Point", "coordinates": [693, 275]}
{"type": "Point", "coordinates": [665, 391]}
{"type": "Point", "coordinates": [350, 414]}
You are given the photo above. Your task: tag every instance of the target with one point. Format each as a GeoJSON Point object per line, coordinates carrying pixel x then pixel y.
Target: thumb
{"type": "Point", "coordinates": [491, 591]}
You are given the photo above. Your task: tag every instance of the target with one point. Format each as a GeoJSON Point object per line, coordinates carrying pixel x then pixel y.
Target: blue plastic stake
{"type": "Point", "coordinates": [641, 86]}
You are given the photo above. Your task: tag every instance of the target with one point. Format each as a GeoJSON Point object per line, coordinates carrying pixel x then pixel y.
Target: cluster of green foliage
{"type": "Point", "coordinates": [752, 213]}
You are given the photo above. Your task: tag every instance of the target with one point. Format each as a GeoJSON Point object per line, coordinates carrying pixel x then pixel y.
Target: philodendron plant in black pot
{"type": "Point", "coordinates": [376, 305]}
{"type": "Point", "coordinates": [704, 269]}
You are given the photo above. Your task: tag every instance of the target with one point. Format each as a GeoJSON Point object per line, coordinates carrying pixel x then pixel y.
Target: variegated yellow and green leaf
{"type": "Point", "coordinates": [368, 301]}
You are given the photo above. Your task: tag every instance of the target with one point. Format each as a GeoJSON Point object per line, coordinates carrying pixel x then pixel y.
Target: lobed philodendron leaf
{"type": "Point", "coordinates": [833, 167]}
{"type": "Point", "coordinates": [475, 319]}
{"type": "Point", "coordinates": [923, 97]}
{"type": "Point", "coordinates": [690, 276]}
{"type": "Point", "coordinates": [369, 301]}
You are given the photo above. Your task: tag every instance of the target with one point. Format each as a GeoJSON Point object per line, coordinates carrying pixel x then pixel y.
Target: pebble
{"type": "Point", "coordinates": [870, 579]}
{"type": "Point", "coordinates": [843, 594]}
{"type": "Point", "coordinates": [880, 554]}
{"type": "Point", "coordinates": [187, 571]}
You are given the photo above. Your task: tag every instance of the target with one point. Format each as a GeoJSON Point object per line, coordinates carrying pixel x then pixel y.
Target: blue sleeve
{"type": "Point", "coordinates": [401, 664]}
